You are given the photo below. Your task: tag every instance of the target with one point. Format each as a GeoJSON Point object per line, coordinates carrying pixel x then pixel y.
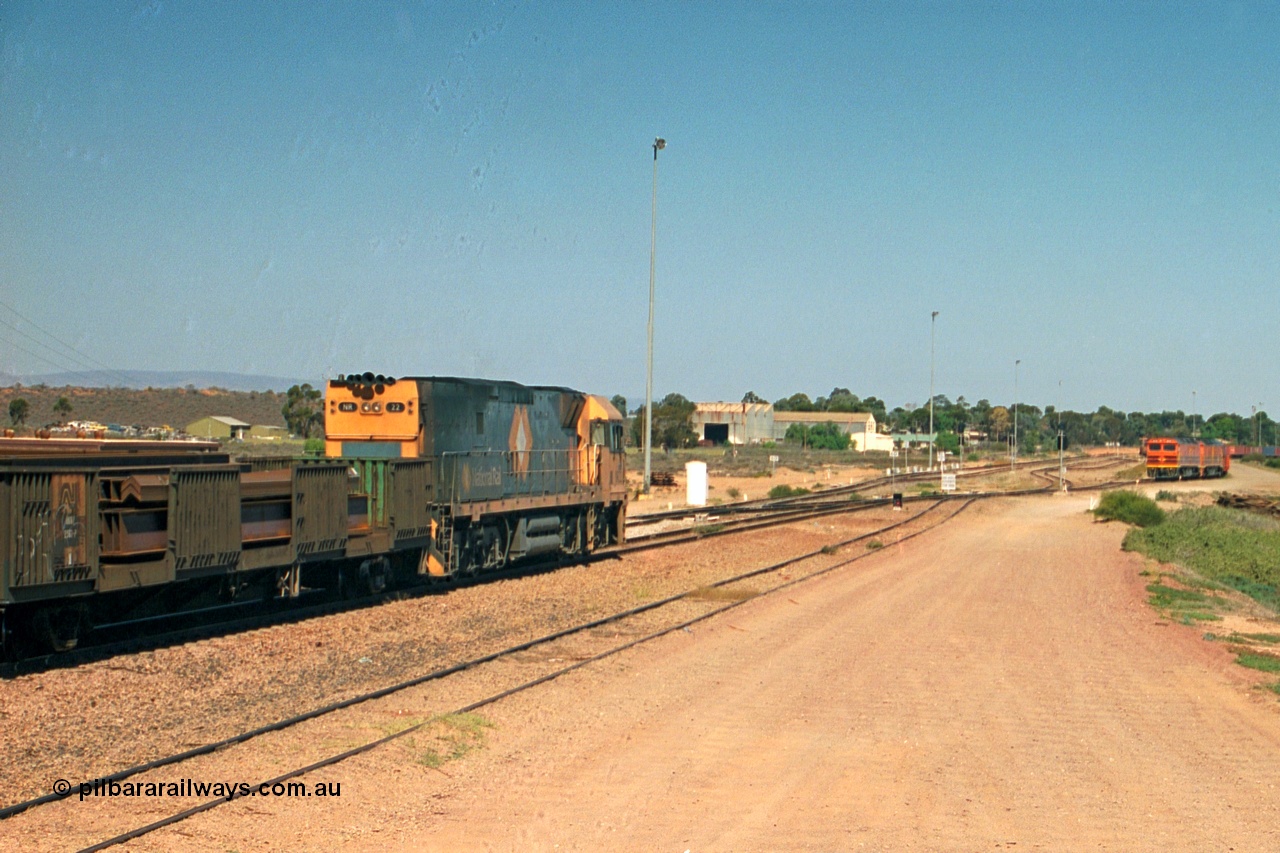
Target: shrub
{"type": "Point", "coordinates": [784, 491]}
{"type": "Point", "coordinates": [1166, 495]}
{"type": "Point", "coordinates": [1129, 507]}
{"type": "Point", "coordinates": [1231, 547]}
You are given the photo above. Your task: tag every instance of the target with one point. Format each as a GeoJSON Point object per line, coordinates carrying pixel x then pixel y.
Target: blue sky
{"type": "Point", "coordinates": [464, 188]}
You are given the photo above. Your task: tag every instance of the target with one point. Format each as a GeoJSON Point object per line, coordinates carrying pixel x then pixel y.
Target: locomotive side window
{"type": "Point", "coordinates": [615, 442]}
{"type": "Point", "coordinates": [597, 432]}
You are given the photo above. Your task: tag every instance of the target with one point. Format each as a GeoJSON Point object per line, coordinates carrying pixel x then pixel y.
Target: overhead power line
{"type": "Point", "coordinates": [63, 356]}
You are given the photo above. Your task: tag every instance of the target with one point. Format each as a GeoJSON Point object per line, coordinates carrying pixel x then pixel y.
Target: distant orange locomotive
{"type": "Point", "coordinates": [1178, 459]}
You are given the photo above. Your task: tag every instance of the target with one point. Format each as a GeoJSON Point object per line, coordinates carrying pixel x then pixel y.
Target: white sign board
{"type": "Point", "coordinates": [774, 459]}
{"type": "Point", "coordinates": [948, 482]}
{"type": "Point", "coordinates": [942, 456]}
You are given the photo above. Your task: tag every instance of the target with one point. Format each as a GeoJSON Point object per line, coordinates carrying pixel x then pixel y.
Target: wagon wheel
{"type": "Point", "coordinates": [60, 629]}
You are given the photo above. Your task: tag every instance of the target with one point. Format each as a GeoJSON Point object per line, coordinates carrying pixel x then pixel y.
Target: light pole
{"type": "Point", "coordinates": [658, 144]}
{"type": "Point", "coordinates": [1014, 456]}
{"type": "Point", "coordinates": [933, 322]}
{"type": "Point", "coordinates": [1062, 468]}
{"type": "Point", "coordinates": [1193, 415]}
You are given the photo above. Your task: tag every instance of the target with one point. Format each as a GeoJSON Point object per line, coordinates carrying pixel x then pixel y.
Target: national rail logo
{"type": "Point", "coordinates": [520, 441]}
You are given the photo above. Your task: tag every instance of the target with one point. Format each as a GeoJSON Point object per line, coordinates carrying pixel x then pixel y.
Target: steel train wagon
{"type": "Point", "coordinates": [423, 477]}
{"type": "Point", "coordinates": [1178, 459]}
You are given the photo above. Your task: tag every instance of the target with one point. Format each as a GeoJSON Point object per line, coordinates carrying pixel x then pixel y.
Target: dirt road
{"type": "Point", "coordinates": [1000, 683]}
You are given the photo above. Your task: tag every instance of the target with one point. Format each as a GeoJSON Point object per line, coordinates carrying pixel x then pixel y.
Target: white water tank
{"type": "Point", "coordinates": [696, 475]}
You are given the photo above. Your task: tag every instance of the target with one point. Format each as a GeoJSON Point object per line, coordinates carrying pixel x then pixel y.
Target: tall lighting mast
{"type": "Point", "coordinates": [658, 144]}
{"type": "Point", "coordinates": [933, 322]}
{"type": "Point", "coordinates": [1014, 456]}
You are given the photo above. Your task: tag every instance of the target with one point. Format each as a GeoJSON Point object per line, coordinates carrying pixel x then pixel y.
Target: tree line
{"type": "Point", "coordinates": [1037, 427]}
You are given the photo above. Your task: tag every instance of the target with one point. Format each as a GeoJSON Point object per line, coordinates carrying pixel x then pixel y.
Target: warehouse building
{"type": "Point", "coordinates": [217, 426]}
{"type": "Point", "coordinates": [733, 423]}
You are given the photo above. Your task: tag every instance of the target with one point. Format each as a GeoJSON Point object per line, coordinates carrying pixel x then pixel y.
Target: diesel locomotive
{"type": "Point", "coordinates": [422, 477]}
{"type": "Point", "coordinates": [1179, 459]}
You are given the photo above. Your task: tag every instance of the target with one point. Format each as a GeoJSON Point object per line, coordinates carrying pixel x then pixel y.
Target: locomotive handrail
{"type": "Point", "coordinates": [492, 474]}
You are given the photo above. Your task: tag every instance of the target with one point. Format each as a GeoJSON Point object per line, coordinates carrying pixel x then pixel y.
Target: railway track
{"type": "Point", "coordinates": [582, 644]}
{"type": "Point", "coordinates": [763, 508]}
{"type": "Point", "coordinates": [122, 638]}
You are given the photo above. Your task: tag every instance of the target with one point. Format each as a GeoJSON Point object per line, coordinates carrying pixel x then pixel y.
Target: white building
{"type": "Point", "coordinates": [860, 427]}
{"type": "Point", "coordinates": [753, 423]}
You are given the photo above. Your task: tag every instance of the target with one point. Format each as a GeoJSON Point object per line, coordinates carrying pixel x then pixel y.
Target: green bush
{"type": "Point", "coordinates": [1232, 547]}
{"type": "Point", "coordinates": [1129, 507]}
{"type": "Point", "coordinates": [1166, 495]}
{"type": "Point", "coordinates": [783, 491]}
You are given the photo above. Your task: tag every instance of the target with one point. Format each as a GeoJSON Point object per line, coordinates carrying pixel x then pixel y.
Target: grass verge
{"type": "Point", "coordinates": [1237, 549]}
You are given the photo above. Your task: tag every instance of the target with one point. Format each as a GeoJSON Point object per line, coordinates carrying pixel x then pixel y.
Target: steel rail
{"type": "Point", "coordinates": [434, 675]}
{"type": "Point", "coordinates": [543, 679]}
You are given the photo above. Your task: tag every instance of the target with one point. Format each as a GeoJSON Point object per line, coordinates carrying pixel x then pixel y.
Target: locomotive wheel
{"type": "Point", "coordinates": [375, 575]}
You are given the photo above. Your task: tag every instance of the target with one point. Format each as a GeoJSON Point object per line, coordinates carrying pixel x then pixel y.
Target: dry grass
{"type": "Point", "coordinates": [722, 593]}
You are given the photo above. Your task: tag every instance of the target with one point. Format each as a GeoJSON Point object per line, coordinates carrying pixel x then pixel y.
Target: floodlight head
{"type": "Point", "coordinates": [659, 144]}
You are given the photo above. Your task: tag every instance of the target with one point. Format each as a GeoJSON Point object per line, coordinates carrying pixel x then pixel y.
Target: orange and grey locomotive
{"type": "Point", "coordinates": [422, 477]}
{"type": "Point", "coordinates": [516, 471]}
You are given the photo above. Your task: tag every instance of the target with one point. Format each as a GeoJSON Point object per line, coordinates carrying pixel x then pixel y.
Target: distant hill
{"type": "Point", "coordinates": [160, 379]}
{"type": "Point", "coordinates": [175, 407]}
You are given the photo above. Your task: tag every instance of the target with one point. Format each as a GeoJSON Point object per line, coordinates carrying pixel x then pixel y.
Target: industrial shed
{"type": "Point", "coordinates": [733, 423]}
{"type": "Point", "coordinates": [267, 431]}
{"type": "Point", "coordinates": [860, 426]}
{"type": "Point", "coordinates": [217, 426]}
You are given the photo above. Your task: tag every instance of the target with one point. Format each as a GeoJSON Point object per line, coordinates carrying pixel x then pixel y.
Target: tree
{"type": "Point", "coordinates": [753, 397]}
{"type": "Point", "coordinates": [670, 423]}
{"type": "Point", "coordinates": [620, 403]}
{"type": "Point", "coordinates": [794, 403]}
{"type": "Point", "coordinates": [62, 408]}
{"type": "Point", "coordinates": [843, 400]}
{"type": "Point", "coordinates": [18, 409]}
{"type": "Point", "coordinates": [302, 409]}
{"type": "Point", "coordinates": [948, 442]}
{"type": "Point", "coordinates": [819, 436]}
{"type": "Point", "coordinates": [1001, 421]}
